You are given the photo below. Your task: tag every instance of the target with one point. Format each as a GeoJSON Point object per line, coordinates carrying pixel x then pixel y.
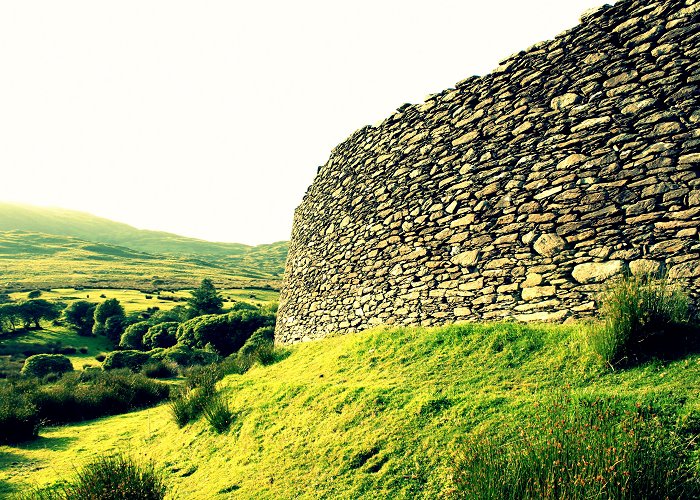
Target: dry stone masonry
{"type": "Point", "coordinates": [514, 195]}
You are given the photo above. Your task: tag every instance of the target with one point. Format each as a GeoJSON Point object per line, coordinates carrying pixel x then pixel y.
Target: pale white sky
{"type": "Point", "coordinates": [209, 118]}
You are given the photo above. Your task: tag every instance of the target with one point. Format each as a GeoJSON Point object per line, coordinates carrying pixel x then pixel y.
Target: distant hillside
{"type": "Point", "coordinates": [92, 228]}
{"type": "Point", "coordinates": [57, 247]}
{"type": "Point", "coordinates": [37, 260]}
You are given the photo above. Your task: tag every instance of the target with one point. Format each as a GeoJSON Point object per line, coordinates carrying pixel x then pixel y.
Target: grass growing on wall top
{"type": "Point", "coordinates": [383, 413]}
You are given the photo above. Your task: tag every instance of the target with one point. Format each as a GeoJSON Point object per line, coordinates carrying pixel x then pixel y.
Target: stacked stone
{"type": "Point", "coordinates": [515, 195]}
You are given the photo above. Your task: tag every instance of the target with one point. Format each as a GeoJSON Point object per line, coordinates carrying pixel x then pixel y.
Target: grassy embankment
{"type": "Point", "coordinates": [379, 414]}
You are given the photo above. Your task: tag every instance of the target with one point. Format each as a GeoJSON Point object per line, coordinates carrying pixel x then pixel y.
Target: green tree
{"type": "Point", "coordinates": [110, 308]}
{"type": "Point", "coordinates": [81, 316]}
{"type": "Point", "coordinates": [205, 299]}
{"type": "Point", "coordinates": [34, 294]}
{"type": "Point", "coordinates": [132, 338]}
{"type": "Point", "coordinates": [33, 311]}
{"type": "Point", "coordinates": [9, 317]}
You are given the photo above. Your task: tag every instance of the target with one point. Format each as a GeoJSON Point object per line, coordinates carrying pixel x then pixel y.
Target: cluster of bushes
{"type": "Point", "coordinates": [75, 396]}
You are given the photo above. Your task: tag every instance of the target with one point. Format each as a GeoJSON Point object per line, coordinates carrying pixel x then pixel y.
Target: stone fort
{"type": "Point", "coordinates": [515, 195]}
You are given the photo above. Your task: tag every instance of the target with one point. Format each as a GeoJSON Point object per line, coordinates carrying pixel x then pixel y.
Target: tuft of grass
{"type": "Point", "coordinates": [116, 477]}
{"type": "Point", "coordinates": [599, 448]}
{"type": "Point", "coordinates": [643, 316]}
{"type": "Point", "coordinates": [218, 413]}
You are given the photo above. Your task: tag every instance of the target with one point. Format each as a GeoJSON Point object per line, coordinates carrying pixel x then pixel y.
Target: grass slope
{"type": "Point", "coordinates": [38, 260]}
{"type": "Point", "coordinates": [373, 415]}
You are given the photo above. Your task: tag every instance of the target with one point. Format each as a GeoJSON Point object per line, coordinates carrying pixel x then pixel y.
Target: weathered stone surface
{"type": "Point", "coordinates": [565, 101]}
{"type": "Point", "coordinates": [643, 267]}
{"type": "Point", "coordinates": [537, 292]}
{"type": "Point", "coordinates": [549, 244]}
{"type": "Point", "coordinates": [516, 194]}
{"type": "Point", "coordinates": [468, 258]}
{"type": "Point", "coordinates": [542, 316]}
{"type": "Point", "coordinates": [595, 272]}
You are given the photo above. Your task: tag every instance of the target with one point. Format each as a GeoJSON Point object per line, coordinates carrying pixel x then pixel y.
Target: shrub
{"type": "Point", "coordinates": [132, 338]}
{"type": "Point", "coordinates": [101, 357]}
{"type": "Point", "coordinates": [41, 365]}
{"type": "Point", "coordinates": [198, 393]}
{"type": "Point", "coordinates": [108, 478]}
{"type": "Point", "coordinates": [642, 315]}
{"type": "Point", "coordinates": [83, 350]}
{"type": "Point", "coordinates": [110, 308]}
{"type": "Point", "coordinates": [218, 414]}
{"type": "Point", "coordinates": [185, 356]}
{"type": "Point", "coordinates": [159, 369]}
{"type": "Point", "coordinates": [583, 449]}
{"type": "Point", "coordinates": [260, 346]}
{"type": "Point", "coordinates": [80, 315]}
{"type": "Point", "coordinates": [94, 393]}
{"type": "Point", "coordinates": [19, 418]}
{"type": "Point", "coordinates": [225, 333]}
{"type": "Point", "coordinates": [133, 360]}
{"type": "Point", "coordinates": [161, 335]}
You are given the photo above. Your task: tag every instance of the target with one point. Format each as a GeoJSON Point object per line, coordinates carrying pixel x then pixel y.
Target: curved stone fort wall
{"type": "Point", "coordinates": [516, 194]}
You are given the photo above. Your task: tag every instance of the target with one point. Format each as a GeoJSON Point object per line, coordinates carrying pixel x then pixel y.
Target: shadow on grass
{"type": "Point", "coordinates": [46, 443]}
{"type": "Point", "coordinates": [671, 343]}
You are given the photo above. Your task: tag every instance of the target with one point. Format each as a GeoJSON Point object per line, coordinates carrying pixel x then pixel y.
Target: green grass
{"type": "Point", "coordinates": [14, 345]}
{"type": "Point", "coordinates": [39, 261]}
{"type": "Point", "coordinates": [381, 414]}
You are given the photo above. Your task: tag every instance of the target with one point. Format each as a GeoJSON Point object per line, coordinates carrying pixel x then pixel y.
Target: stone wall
{"type": "Point", "coordinates": [516, 194]}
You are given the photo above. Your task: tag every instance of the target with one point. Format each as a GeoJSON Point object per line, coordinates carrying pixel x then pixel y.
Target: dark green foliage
{"type": "Point", "coordinates": [579, 449]}
{"type": "Point", "coordinates": [132, 360]}
{"type": "Point", "coordinates": [34, 310]}
{"type": "Point", "coordinates": [644, 317]}
{"type": "Point", "coordinates": [34, 294]}
{"type": "Point", "coordinates": [90, 394]}
{"type": "Point", "coordinates": [76, 396]}
{"type": "Point", "coordinates": [225, 333]}
{"type": "Point", "coordinates": [161, 335]}
{"type": "Point", "coordinates": [41, 365]}
{"type": "Point", "coordinates": [19, 419]}
{"type": "Point", "coordinates": [159, 369]}
{"type": "Point", "coordinates": [108, 478]}
{"type": "Point", "coordinates": [110, 308]}
{"type": "Point", "coordinates": [10, 317]}
{"type": "Point", "coordinates": [80, 315]}
{"type": "Point", "coordinates": [177, 314]}
{"type": "Point", "coordinates": [260, 346]}
{"type": "Point", "coordinates": [184, 356]}
{"type": "Point", "coordinates": [205, 299]}
{"type": "Point", "coordinates": [132, 338]}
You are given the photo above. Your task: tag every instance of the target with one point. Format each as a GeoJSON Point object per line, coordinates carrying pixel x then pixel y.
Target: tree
{"type": "Point", "coordinates": [33, 311]}
{"type": "Point", "coordinates": [110, 308]}
{"type": "Point", "coordinates": [161, 335]}
{"type": "Point", "coordinates": [81, 316]}
{"type": "Point", "coordinates": [225, 333]}
{"type": "Point", "coordinates": [9, 316]}
{"type": "Point", "coordinates": [205, 299]}
{"type": "Point", "coordinates": [34, 294]}
{"type": "Point", "coordinates": [132, 338]}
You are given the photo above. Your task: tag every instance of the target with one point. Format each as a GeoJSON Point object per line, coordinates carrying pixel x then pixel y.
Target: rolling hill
{"type": "Point", "coordinates": [50, 247]}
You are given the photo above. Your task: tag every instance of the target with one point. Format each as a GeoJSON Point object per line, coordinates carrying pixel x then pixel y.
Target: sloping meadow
{"type": "Point", "coordinates": [399, 413]}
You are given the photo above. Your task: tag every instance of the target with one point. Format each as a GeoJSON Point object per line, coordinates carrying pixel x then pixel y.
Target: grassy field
{"type": "Point", "coordinates": [381, 414]}
{"type": "Point", "coordinates": [135, 300]}
{"type": "Point", "coordinates": [40, 261]}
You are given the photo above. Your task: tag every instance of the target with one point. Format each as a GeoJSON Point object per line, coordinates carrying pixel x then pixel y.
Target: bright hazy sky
{"type": "Point", "coordinates": [209, 118]}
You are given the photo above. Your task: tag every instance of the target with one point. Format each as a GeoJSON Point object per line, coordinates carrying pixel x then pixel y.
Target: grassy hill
{"type": "Point", "coordinates": [380, 414]}
{"type": "Point", "coordinates": [117, 240]}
